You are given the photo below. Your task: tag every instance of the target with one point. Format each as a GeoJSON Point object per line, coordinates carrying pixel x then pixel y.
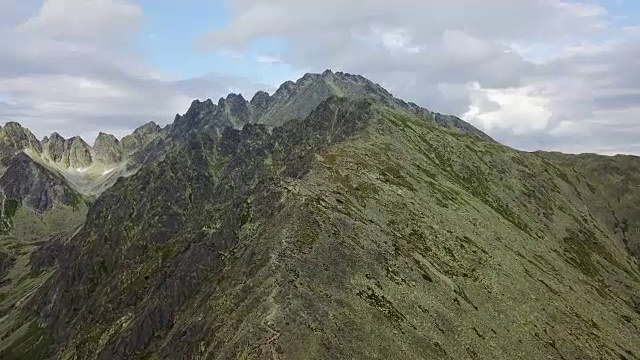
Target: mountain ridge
{"type": "Point", "coordinates": [365, 227]}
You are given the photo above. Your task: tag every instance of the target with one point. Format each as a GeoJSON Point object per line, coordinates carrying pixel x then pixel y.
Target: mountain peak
{"type": "Point", "coordinates": [104, 136]}
{"type": "Point", "coordinates": [148, 128]}
{"type": "Point", "coordinates": [55, 135]}
{"type": "Point", "coordinates": [260, 100]}
{"type": "Point", "coordinates": [107, 149]}
{"type": "Point", "coordinates": [14, 125]}
{"type": "Point", "coordinates": [17, 138]}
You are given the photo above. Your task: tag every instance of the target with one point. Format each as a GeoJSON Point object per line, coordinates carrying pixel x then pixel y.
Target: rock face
{"type": "Point", "coordinates": [141, 137]}
{"type": "Point", "coordinates": [31, 184]}
{"type": "Point", "coordinates": [107, 149]}
{"type": "Point", "coordinates": [77, 153]}
{"type": "Point", "coordinates": [363, 227]}
{"type": "Point", "coordinates": [55, 147]}
{"type": "Point", "coordinates": [14, 138]}
{"type": "Point", "coordinates": [69, 153]}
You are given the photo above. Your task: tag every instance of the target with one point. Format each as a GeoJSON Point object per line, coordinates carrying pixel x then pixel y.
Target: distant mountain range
{"type": "Point", "coordinates": [329, 220]}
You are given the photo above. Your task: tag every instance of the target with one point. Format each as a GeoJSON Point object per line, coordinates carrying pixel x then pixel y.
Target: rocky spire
{"type": "Point", "coordinates": [107, 149]}
{"type": "Point", "coordinates": [78, 153]}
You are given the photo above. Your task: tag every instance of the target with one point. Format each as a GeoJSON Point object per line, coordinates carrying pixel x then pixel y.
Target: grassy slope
{"type": "Point", "coordinates": [418, 242]}
{"type": "Point", "coordinates": [21, 338]}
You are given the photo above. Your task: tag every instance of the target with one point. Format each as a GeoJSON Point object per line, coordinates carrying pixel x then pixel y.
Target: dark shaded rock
{"type": "Point", "coordinates": [33, 185]}
{"type": "Point", "coordinates": [6, 263]}
{"type": "Point", "coordinates": [261, 100]}
{"type": "Point", "coordinates": [237, 108]}
{"type": "Point", "coordinates": [55, 147]}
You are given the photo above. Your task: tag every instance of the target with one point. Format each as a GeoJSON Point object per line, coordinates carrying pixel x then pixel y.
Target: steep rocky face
{"type": "Point", "coordinates": [13, 138]}
{"type": "Point", "coordinates": [31, 184]}
{"type": "Point", "coordinates": [237, 109]}
{"type": "Point", "coordinates": [241, 168]}
{"type": "Point", "coordinates": [260, 101]}
{"type": "Point", "coordinates": [54, 147]}
{"type": "Point", "coordinates": [78, 153]}
{"type": "Point", "coordinates": [69, 153]}
{"type": "Point", "coordinates": [141, 137]}
{"type": "Point", "coordinates": [107, 149]}
{"type": "Point", "coordinates": [358, 232]}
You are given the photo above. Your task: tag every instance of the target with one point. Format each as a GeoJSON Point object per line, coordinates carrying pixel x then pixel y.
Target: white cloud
{"type": "Point", "coordinates": [519, 110]}
{"type": "Point", "coordinates": [542, 71]}
{"type": "Point", "coordinates": [71, 66]}
{"type": "Point", "coordinates": [85, 19]}
{"type": "Point", "coordinates": [269, 59]}
{"type": "Point", "coordinates": [581, 9]}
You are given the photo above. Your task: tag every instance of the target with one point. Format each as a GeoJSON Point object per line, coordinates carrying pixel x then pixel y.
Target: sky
{"type": "Point", "coordinates": [535, 74]}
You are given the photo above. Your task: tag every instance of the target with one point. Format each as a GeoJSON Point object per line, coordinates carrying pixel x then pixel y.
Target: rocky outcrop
{"type": "Point", "coordinates": [78, 153]}
{"type": "Point", "coordinates": [54, 148]}
{"type": "Point", "coordinates": [260, 101]}
{"type": "Point", "coordinates": [141, 137]}
{"type": "Point", "coordinates": [14, 138]}
{"type": "Point", "coordinates": [237, 109]}
{"type": "Point", "coordinates": [69, 153]}
{"type": "Point", "coordinates": [107, 149]}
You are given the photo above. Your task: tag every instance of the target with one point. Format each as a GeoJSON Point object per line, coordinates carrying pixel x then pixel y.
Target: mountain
{"type": "Point", "coordinates": [107, 149]}
{"type": "Point", "coordinates": [45, 188]}
{"type": "Point", "coordinates": [297, 100]}
{"type": "Point", "coordinates": [14, 138]}
{"type": "Point", "coordinates": [30, 183]}
{"type": "Point", "coordinates": [354, 225]}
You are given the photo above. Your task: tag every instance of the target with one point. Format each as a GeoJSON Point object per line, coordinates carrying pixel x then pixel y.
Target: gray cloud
{"type": "Point", "coordinates": [527, 71]}
{"type": "Point", "coordinates": [69, 66]}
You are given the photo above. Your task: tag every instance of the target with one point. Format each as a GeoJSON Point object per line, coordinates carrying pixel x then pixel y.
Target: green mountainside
{"type": "Point", "coordinates": [327, 221]}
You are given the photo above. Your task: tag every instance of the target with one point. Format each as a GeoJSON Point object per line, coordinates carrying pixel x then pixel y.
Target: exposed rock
{"type": "Point", "coordinates": [55, 148]}
{"type": "Point", "coordinates": [14, 138]}
{"type": "Point", "coordinates": [237, 108]}
{"type": "Point", "coordinates": [33, 185]}
{"type": "Point", "coordinates": [261, 101]}
{"type": "Point", "coordinates": [141, 137]}
{"type": "Point", "coordinates": [78, 153]}
{"type": "Point", "coordinates": [107, 149]}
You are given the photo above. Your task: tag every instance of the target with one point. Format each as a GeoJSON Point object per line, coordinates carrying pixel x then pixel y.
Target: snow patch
{"type": "Point", "coordinates": [81, 170]}
{"type": "Point", "coordinates": [107, 171]}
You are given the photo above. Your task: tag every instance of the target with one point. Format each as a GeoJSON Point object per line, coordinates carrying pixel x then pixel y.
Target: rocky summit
{"type": "Point", "coordinates": [329, 220]}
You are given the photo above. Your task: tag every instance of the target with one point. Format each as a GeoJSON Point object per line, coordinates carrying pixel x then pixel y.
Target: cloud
{"type": "Point", "coordinates": [520, 110]}
{"type": "Point", "coordinates": [533, 73]}
{"type": "Point", "coordinates": [71, 66]}
{"type": "Point", "coordinates": [269, 59]}
{"type": "Point", "coordinates": [83, 19]}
